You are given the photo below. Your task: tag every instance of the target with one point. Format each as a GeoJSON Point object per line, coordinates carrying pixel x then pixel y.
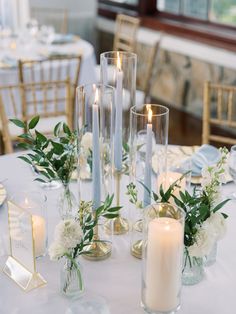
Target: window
{"type": "Point", "coordinates": [216, 11]}
{"type": "Point", "coordinates": [209, 21]}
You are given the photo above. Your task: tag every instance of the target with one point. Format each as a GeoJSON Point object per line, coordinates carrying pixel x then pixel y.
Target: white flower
{"type": "Point", "coordinates": [84, 169]}
{"type": "Point", "coordinates": [216, 225]}
{"type": "Point", "coordinates": [56, 251]}
{"type": "Point", "coordinates": [203, 244]}
{"type": "Point", "coordinates": [87, 141]}
{"type": "Point", "coordinates": [68, 233]}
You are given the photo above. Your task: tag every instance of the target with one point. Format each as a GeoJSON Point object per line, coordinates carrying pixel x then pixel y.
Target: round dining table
{"type": "Point", "coordinates": [113, 285]}
{"type": "Point", "coordinates": [13, 49]}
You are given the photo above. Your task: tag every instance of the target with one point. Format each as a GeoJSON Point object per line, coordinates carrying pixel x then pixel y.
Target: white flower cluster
{"type": "Point", "coordinates": [214, 176]}
{"type": "Point", "coordinates": [86, 146]}
{"type": "Point", "coordinates": [212, 229]}
{"type": "Point", "coordinates": [68, 234]}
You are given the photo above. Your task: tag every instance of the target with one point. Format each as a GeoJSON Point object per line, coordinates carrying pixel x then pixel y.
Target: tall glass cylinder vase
{"type": "Point", "coordinates": [163, 236]}
{"type": "Point", "coordinates": [149, 139]}
{"type": "Point", "coordinates": [118, 69]}
{"type": "Point", "coordinates": [95, 124]}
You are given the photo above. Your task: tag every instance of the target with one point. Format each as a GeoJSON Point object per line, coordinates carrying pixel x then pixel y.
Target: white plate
{"type": "Point", "coordinates": [3, 194]}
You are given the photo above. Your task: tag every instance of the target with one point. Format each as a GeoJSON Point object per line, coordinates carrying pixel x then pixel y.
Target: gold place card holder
{"type": "Point", "coordinates": [27, 233]}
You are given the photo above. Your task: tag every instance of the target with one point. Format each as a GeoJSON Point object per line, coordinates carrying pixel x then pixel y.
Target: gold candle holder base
{"type": "Point", "coordinates": [98, 250]}
{"type": "Point", "coordinates": [119, 226]}
{"type": "Point", "coordinates": [137, 248]}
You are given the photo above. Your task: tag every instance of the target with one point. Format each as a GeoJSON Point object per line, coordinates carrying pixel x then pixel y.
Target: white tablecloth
{"type": "Point", "coordinates": [36, 50]}
{"type": "Point", "coordinates": [114, 283]}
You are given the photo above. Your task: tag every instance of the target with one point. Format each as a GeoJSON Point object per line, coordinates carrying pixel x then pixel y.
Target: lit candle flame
{"type": "Point", "coordinates": [149, 115]}
{"type": "Point", "coordinates": [118, 61]}
{"type": "Point", "coordinates": [96, 96]}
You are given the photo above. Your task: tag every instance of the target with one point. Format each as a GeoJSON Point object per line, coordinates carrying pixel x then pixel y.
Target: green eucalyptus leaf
{"type": "Point", "coordinates": [57, 148]}
{"type": "Point", "coordinates": [66, 129]}
{"type": "Point", "coordinates": [40, 137]}
{"type": "Point", "coordinates": [24, 145]}
{"type": "Point", "coordinates": [33, 122]}
{"type": "Point", "coordinates": [40, 180]}
{"type": "Point", "coordinates": [110, 216]}
{"type": "Point", "coordinates": [57, 129]}
{"type": "Point", "coordinates": [25, 159]}
{"type": "Point", "coordinates": [18, 123]}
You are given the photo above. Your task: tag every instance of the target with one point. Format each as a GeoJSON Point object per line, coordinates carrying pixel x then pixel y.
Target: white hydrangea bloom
{"type": "Point", "coordinates": [68, 233]}
{"type": "Point", "coordinates": [202, 245]}
{"type": "Point", "coordinates": [216, 225]}
{"type": "Point", "coordinates": [56, 251]}
{"type": "Point", "coordinates": [87, 141]}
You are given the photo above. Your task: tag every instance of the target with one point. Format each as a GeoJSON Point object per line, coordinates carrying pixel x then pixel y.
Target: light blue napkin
{"type": "Point", "coordinates": [206, 155]}
{"type": "Point", "coordinates": [60, 39]}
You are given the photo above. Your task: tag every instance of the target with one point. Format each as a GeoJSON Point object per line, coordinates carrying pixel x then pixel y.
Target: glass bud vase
{"type": "Point", "coordinates": [67, 204]}
{"type": "Point", "coordinates": [210, 259]}
{"type": "Point", "coordinates": [193, 271]}
{"type": "Point", "coordinates": [72, 284]}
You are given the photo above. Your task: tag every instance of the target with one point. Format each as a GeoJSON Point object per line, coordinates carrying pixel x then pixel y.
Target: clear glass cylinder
{"type": "Point", "coordinates": [118, 69]}
{"type": "Point", "coordinates": [34, 201]}
{"type": "Point", "coordinates": [67, 203]}
{"type": "Point", "coordinates": [72, 284]}
{"type": "Point", "coordinates": [95, 124]}
{"type": "Point", "coordinates": [148, 148]}
{"type": "Point", "coordinates": [176, 169]}
{"type": "Point", "coordinates": [163, 243]}
{"type": "Point", "coordinates": [193, 270]}
{"type": "Point", "coordinates": [210, 259]}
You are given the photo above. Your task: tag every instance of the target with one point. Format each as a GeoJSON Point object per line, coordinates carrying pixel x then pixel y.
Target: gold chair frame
{"type": "Point", "coordinates": [53, 101]}
{"type": "Point", "coordinates": [229, 107]}
{"type": "Point", "coordinates": [38, 66]}
{"type": "Point", "coordinates": [126, 28]}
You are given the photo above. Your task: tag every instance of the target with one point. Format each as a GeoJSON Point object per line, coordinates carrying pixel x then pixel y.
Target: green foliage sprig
{"type": "Point", "coordinates": [54, 159]}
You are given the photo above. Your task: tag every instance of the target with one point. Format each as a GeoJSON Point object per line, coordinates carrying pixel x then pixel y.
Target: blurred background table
{"type": "Point", "coordinates": [13, 49]}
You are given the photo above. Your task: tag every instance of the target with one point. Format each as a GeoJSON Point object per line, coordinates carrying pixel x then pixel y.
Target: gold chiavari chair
{"type": "Point", "coordinates": [219, 109]}
{"type": "Point", "coordinates": [56, 17]}
{"type": "Point", "coordinates": [56, 68]}
{"type": "Point", "coordinates": [52, 101]}
{"type": "Point", "coordinates": [125, 33]}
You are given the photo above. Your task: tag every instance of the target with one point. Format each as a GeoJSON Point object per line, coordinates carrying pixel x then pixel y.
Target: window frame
{"type": "Point", "coordinates": [205, 31]}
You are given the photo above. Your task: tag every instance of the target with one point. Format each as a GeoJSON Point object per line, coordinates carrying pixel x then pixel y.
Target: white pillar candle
{"type": "Point", "coordinates": [148, 162]}
{"type": "Point", "coordinates": [118, 118]}
{"type": "Point", "coordinates": [39, 234]}
{"type": "Point", "coordinates": [164, 264]}
{"type": "Point", "coordinates": [167, 178]}
{"type": "Point", "coordinates": [38, 226]}
{"type": "Point", "coordinates": [96, 156]}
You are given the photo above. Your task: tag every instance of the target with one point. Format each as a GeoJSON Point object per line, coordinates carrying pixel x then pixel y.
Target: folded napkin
{"type": "Point", "coordinates": [9, 62]}
{"type": "Point", "coordinates": [206, 155]}
{"type": "Point", "coordinates": [60, 39]}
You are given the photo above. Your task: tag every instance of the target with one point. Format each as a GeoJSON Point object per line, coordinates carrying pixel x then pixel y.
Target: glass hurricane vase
{"type": "Point", "coordinates": [193, 271]}
{"type": "Point", "coordinates": [72, 284]}
{"type": "Point", "coordinates": [67, 204]}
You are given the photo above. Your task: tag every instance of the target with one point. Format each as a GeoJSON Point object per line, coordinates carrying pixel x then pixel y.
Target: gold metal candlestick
{"type": "Point", "coordinates": [137, 247]}
{"type": "Point", "coordinates": [98, 250]}
{"type": "Point", "coordinates": [119, 225]}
